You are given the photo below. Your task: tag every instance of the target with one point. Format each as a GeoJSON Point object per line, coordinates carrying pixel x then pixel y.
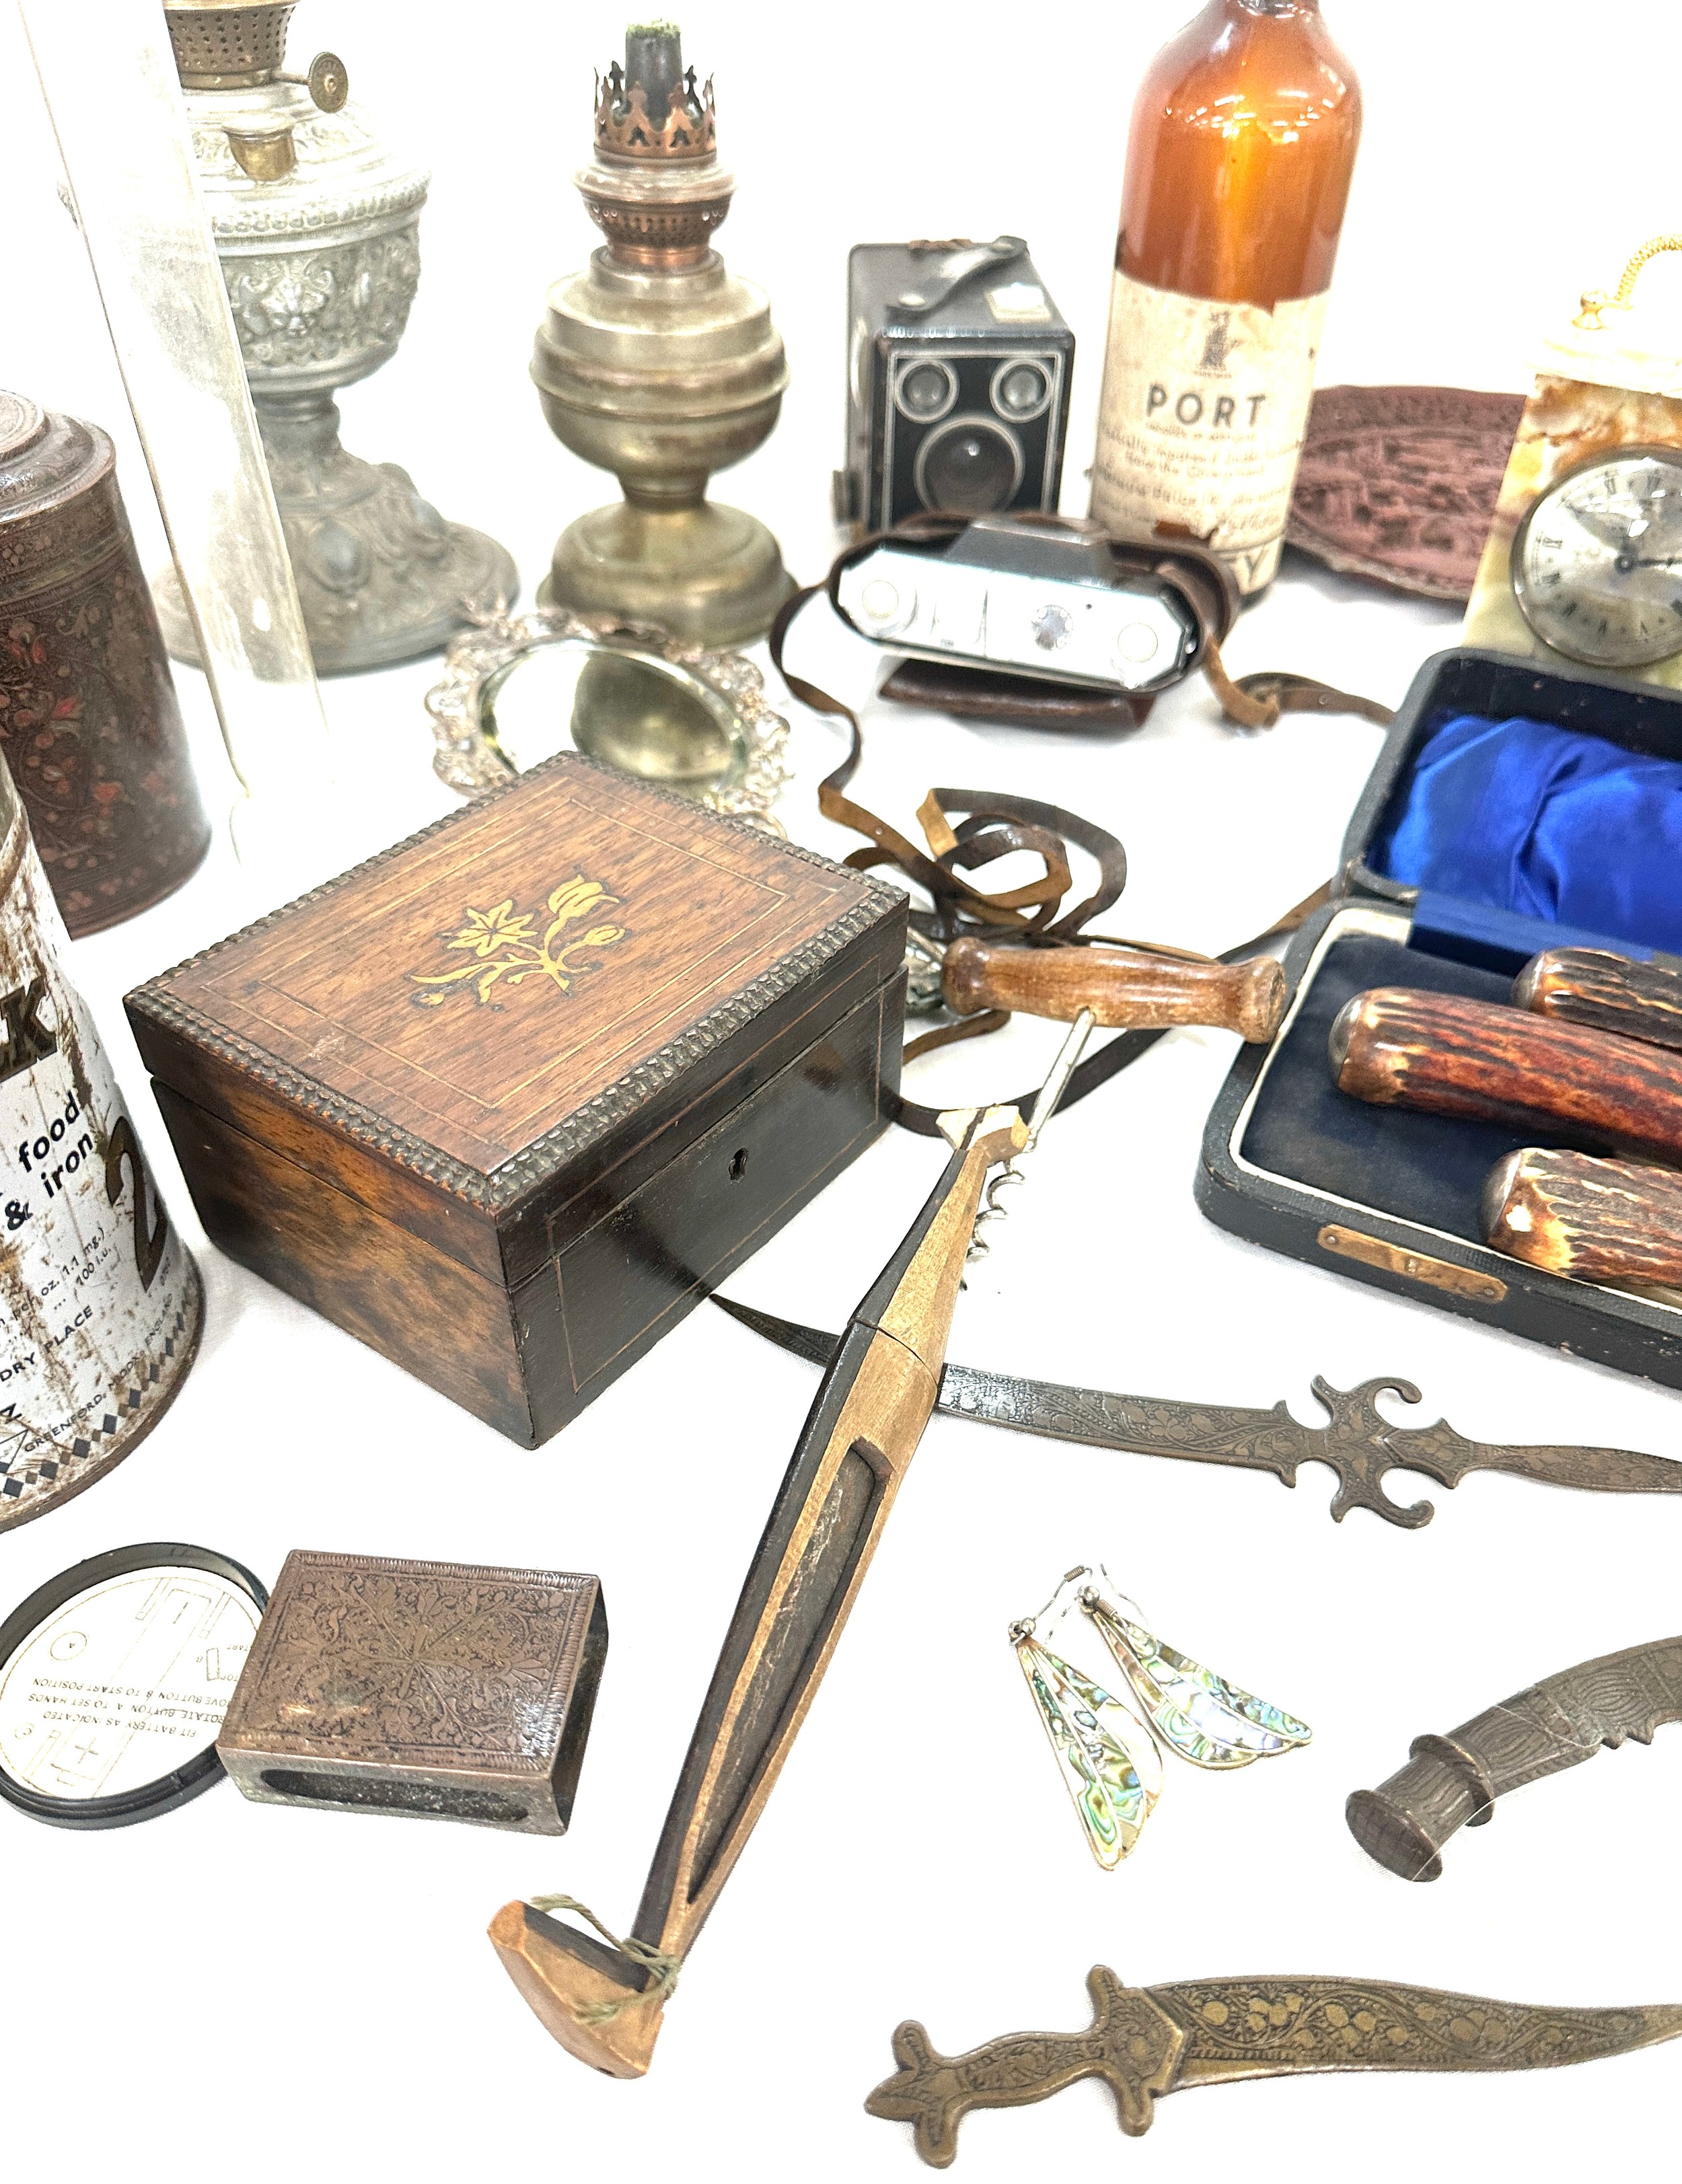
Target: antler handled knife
{"type": "Point", "coordinates": [1357, 1442]}
{"type": "Point", "coordinates": [1618, 1222]}
{"type": "Point", "coordinates": [1145, 2043]}
{"type": "Point", "coordinates": [1448, 1053]}
{"type": "Point", "coordinates": [1609, 992]}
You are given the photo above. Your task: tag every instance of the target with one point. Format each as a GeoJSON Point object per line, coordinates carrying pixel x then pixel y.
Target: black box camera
{"type": "Point", "coordinates": [958, 369]}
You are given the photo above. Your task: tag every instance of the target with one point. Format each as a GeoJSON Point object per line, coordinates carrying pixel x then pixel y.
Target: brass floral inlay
{"type": "Point", "coordinates": [502, 944]}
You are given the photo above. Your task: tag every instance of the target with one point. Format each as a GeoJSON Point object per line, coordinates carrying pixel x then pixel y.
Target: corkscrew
{"type": "Point", "coordinates": [1044, 1107]}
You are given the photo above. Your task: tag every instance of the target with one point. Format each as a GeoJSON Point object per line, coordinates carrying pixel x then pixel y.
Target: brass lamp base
{"type": "Point", "coordinates": [702, 571]}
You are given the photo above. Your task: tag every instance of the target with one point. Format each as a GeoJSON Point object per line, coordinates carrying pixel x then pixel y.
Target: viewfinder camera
{"type": "Point", "coordinates": [1046, 600]}
{"type": "Point", "coordinates": [958, 369]}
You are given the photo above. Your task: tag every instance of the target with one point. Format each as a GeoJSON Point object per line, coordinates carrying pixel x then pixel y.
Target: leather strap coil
{"type": "Point", "coordinates": [966, 830]}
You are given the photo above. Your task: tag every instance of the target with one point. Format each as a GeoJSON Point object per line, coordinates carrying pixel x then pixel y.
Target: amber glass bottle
{"type": "Point", "coordinates": [1239, 160]}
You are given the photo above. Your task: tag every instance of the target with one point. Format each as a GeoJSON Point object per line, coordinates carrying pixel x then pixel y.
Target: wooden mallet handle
{"type": "Point", "coordinates": [1126, 989]}
{"type": "Point", "coordinates": [1444, 1054]}
{"type": "Point", "coordinates": [1607, 992]}
{"type": "Point", "coordinates": [1600, 1220]}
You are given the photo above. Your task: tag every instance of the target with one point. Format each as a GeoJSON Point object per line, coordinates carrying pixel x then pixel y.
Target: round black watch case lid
{"type": "Point", "coordinates": [114, 1680]}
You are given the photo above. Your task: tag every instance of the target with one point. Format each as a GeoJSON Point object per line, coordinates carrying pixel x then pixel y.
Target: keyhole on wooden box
{"type": "Point", "coordinates": [738, 1164]}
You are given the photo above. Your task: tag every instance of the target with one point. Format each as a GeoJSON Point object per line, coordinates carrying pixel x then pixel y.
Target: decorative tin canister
{"type": "Point", "coordinates": [89, 724]}
{"type": "Point", "coordinates": [100, 1302]}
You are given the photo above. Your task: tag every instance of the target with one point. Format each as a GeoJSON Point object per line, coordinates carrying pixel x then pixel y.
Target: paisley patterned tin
{"type": "Point", "coordinates": [89, 724]}
{"type": "Point", "coordinates": [100, 1302]}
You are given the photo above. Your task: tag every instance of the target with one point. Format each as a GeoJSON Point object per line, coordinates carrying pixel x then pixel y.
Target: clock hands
{"type": "Point", "coordinates": [1606, 530]}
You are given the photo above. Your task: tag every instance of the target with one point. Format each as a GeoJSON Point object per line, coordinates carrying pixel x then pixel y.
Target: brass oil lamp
{"type": "Point", "coordinates": [657, 364]}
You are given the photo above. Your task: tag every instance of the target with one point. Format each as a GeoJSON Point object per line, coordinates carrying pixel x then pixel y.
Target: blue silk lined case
{"type": "Point", "coordinates": [1504, 853]}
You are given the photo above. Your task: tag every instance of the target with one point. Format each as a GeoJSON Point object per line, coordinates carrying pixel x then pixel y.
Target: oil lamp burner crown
{"type": "Point", "coordinates": [316, 220]}
{"type": "Point", "coordinates": [659, 365]}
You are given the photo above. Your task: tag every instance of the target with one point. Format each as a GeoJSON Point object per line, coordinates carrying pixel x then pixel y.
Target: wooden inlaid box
{"type": "Point", "coordinates": [507, 1100]}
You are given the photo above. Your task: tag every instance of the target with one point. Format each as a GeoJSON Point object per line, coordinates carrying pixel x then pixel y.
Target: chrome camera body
{"type": "Point", "coordinates": [1012, 596]}
{"type": "Point", "coordinates": [957, 382]}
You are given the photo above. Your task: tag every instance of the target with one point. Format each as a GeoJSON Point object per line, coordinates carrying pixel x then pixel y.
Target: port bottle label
{"type": "Point", "coordinates": [1201, 419]}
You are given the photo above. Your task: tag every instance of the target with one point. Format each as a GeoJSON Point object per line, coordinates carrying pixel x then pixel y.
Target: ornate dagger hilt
{"type": "Point", "coordinates": [1131, 2044]}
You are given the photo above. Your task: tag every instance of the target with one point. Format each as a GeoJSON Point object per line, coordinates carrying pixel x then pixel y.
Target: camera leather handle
{"type": "Point", "coordinates": [1126, 989]}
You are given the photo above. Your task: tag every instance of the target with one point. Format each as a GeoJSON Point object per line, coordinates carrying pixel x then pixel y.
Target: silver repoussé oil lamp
{"type": "Point", "coordinates": [315, 222]}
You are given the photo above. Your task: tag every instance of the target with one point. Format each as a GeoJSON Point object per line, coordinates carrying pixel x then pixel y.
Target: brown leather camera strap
{"type": "Point", "coordinates": [990, 825]}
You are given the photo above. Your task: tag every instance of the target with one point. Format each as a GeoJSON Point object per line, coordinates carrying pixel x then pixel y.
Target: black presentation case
{"type": "Point", "coordinates": [1388, 1197]}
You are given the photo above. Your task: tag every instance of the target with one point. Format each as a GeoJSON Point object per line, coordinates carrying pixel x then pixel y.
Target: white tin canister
{"type": "Point", "coordinates": [100, 1302]}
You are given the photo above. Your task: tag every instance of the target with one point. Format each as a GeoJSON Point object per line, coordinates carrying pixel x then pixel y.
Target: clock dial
{"type": "Point", "coordinates": [1597, 563]}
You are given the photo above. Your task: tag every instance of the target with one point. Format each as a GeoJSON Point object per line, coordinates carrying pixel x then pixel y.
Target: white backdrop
{"type": "Point", "coordinates": [281, 1990]}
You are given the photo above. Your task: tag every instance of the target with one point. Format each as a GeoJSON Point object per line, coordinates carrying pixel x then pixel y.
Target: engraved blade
{"type": "Point", "coordinates": [1631, 1694]}
{"type": "Point", "coordinates": [1358, 1442]}
{"type": "Point", "coordinates": [810, 1342]}
{"type": "Point", "coordinates": [1449, 1457]}
{"type": "Point", "coordinates": [1277, 2027]}
{"type": "Point", "coordinates": [1202, 1433]}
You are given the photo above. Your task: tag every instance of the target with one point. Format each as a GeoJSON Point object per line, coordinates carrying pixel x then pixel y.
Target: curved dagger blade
{"type": "Point", "coordinates": [1146, 2042]}
{"type": "Point", "coordinates": [1358, 1442]}
{"type": "Point", "coordinates": [1453, 1781]}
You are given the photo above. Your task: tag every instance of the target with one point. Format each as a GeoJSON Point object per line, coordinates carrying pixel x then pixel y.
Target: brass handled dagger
{"type": "Point", "coordinates": [1357, 1442]}
{"type": "Point", "coordinates": [1146, 2042]}
{"type": "Point", "coordinates": [1451, 1782]}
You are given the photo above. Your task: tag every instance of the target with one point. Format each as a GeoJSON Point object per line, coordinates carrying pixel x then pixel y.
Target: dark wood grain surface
{"type": "Point", "coordinates": [1447, 1055]}
{"type": "Point", "coordinates": [1605, 991]}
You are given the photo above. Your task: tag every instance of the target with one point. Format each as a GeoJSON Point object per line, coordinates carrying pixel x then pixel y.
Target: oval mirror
{"type": "Point", "coordinates": [518, 690]}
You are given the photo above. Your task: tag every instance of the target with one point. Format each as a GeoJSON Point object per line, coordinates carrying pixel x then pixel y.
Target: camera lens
{"type": "Point", "coordinates": [968, 466]}
{"type": "Point", "coordinates": [1021, 390]}
{"type": "Point", "coordinates": [926, 391]}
